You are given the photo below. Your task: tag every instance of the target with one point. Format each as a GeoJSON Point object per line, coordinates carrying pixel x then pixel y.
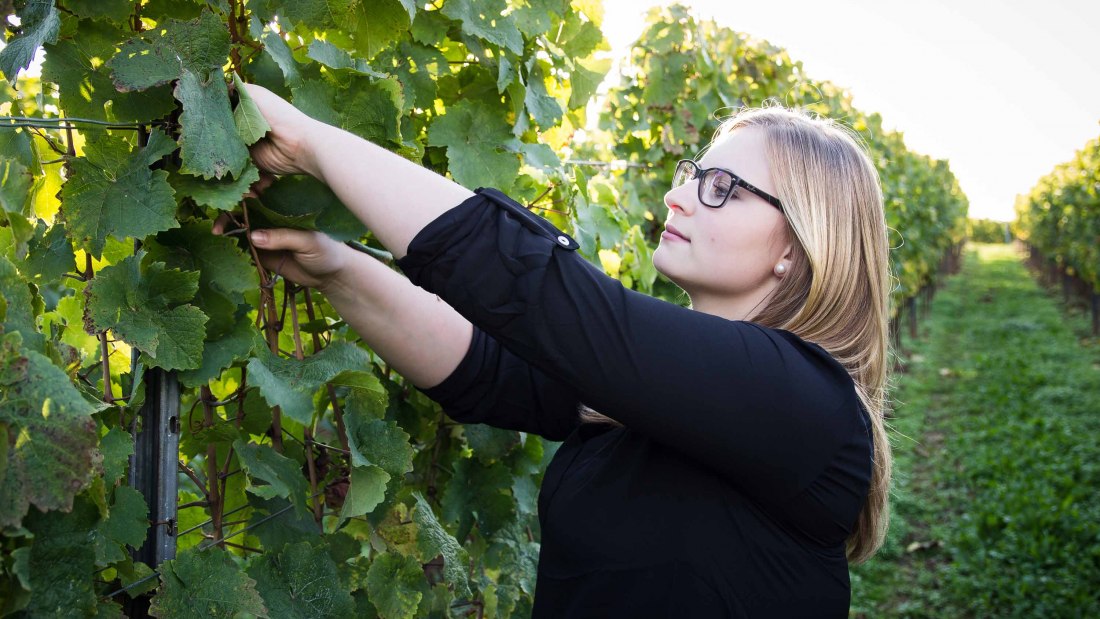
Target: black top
{"type": "Point", "coordinates": [745, 455]}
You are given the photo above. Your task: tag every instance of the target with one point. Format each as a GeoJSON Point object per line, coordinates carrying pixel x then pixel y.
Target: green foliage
{"type": "Point", "coordinates": [112, 192]}
{"type": "Point", "coordinates": [39, 23]}
{"type": "Point", "coordinates": [205, 583]}
{"type": "Point", "coordinates": [107, 252]}
{"type": "Point", "coordinates": [986, 230]}
{"type": "Point", "coordinates": [49, 430]}
{"type": "Point", "coordinates": [107, 258]}
{"type": "Point", "coordinates": [301, 580]}
{"type": "Point", "coordinates": [141, 306]}
{"type": "Point", "coordinates": [1061, 215]}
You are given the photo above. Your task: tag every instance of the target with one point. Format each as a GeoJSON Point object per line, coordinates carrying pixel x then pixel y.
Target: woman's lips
{"type": "Point", "coordinates": [674, 234]}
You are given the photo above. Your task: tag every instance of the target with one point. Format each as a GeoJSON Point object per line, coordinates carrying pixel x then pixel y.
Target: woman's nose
{"type": "Point", "coordinates": [682, 198]}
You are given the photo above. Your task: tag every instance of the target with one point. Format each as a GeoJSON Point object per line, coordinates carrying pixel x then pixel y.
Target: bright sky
{"type": "Point", "coordinates": [1003, 89]}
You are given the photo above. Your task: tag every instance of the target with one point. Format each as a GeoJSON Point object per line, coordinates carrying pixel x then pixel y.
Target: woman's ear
{"type": "Point", "coordinates": [782, 267]}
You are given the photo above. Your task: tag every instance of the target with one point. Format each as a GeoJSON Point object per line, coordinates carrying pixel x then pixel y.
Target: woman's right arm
{"type": "Point", "coordinates": [422, 338]}
{"type": "Point", "coordinates": [418, 334]}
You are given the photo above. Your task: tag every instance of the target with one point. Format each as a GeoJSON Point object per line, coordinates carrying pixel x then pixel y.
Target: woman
{"type": "Point", "coordinates": [738, 459]}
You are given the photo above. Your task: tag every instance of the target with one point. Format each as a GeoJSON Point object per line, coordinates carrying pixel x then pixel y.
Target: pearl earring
{"type": "Point", "coordinates": [780, 269]}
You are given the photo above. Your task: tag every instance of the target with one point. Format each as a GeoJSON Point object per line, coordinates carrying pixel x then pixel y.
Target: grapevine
{"type": "Point", "coordinates": [313, 480]}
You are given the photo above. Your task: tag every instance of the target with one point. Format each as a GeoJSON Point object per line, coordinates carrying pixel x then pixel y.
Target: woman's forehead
{"type": "Point", "coordinates": [741, 151]}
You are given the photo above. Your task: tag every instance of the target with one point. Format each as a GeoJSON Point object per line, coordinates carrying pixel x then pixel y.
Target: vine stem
{"type": "Point", "coordinates": [195, 478]}
{"type": "Point", "coordinates": [292, 293]}
{"type": "Point", "coordinates": [104, 348]}
{"type": "Point", "coordinates": [271, 329]}
{"type": "Point", "coordinates": [337, 410]}
{"type": "Point", "coordinates": [213, 495]}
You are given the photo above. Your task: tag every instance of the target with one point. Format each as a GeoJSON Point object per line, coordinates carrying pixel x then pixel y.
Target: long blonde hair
{"type": "Point", "coordinates": [836, 293]}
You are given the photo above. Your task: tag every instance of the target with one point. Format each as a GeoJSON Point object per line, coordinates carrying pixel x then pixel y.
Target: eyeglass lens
{"type": "Point", "coordinates": [714, 187]}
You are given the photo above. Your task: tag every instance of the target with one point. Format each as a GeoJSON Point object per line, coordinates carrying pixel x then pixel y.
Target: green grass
{"type": "Point", "coordinates": [997, 457]}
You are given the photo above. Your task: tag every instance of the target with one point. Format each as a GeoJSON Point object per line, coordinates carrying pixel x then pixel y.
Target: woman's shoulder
{"type": "Point", "coordinates": [816, 356]}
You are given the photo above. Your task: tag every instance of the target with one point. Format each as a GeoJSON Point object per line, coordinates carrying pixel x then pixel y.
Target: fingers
{"type": "Point", "coordinates": [284, 238]}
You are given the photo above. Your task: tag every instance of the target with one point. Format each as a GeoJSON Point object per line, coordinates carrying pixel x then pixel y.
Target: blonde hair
{"type": "Point", "coordinates": [836, 292]}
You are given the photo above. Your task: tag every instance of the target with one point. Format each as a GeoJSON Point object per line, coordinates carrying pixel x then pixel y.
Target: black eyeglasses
{"type": "Point", "coordinates": [716, 184]}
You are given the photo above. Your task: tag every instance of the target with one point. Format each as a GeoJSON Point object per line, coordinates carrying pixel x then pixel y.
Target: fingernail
{"type": "Point", "coordinates": [259, 237]}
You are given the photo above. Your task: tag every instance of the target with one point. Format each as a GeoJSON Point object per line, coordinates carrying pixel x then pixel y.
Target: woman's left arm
{"type": "Point", "coordinates": [395, 198]}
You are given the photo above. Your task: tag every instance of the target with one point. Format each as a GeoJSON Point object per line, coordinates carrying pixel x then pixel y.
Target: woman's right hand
{"type": "Point", "coordinates": [286, 149]}
{"type": "Point", "coordinates": [305, 257]}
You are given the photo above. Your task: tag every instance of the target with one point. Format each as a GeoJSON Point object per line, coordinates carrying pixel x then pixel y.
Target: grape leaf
{"type": "Point", "coordinates": [481, 490]}
{"type": "Point", "coordinates": [488, 443]}
{"type": "Point", "coordinates": [580, 37]}
{"type": "Point", "coordinates": [536, 17]}
{"type": "Point", "coordinates": [378, 442]}
{"type": "Point", "coordinates": [218, 354]}
{"type": "Point", "coordinates": [19, 316]}
{"type": "Point", "coordinates": [366, 491]}
{"type": "Point", "coordinates": [300, 581]}
{"type": "Point", "coordinates": [432, 540]}
{"type": "Point", "coordinates": [430, 27]}
{"type": "Point", "coordinates": [221, 264]}
{"type": "Point", "coordinates": [384, 22]}
{"type": "Point", "coordinates": [543, 108]}
{"type": "Point", "coordinates": [472, 132]}
{"type": "Point", "coordinates": [136, 303]}
{"type": "Point", "coordinates": [283, 475]}
{"type": "Point", "coordinates": [55, 451]}
{"type": "Point", "coordinates": [116, 10]}
{"type": "Point", "coordinates": [371, 111]}
{"type": "Point", "coordinates": [50, 254]}
{"type": "Point", "coordinates": [584, 81]}
{"type": "Point", "coordinates": [416, 66]}
{"type": "Point", "coordinates": [276, 47]}
{"type": "Point", "coordinates": [306, 203]}
{"type": "Point", "coordinates": [277, 524]}
{"type": "Point", "coordinates": [223, 194]}
{"type": "Point", "coordinates": [197, 47]}
{"type": "Point", "coordinates": [206, 583]}
{"type": "Point", "coordinates": [395, 585]}
{"type": "Point", "coordinates": [513, 552]}
{"type": "Point", "coordinates": [40, 24]}
{"type": "Point", "coordinates": [486, 19]}
{"type": "Point", "coordinates": [16, 188]}
{"type": "Point", "coordinates": [251, 124]}
{"type": "Point", "coordinates": [333, 57]}
{"type": "Point", "coordinates": [113, 192]}
{"type": "Point", "coordinates": [209, 142]}
{"type": "Point", "coordinates": [317, 14]}
{"type": "Point", "coordinates": [290, 383]}
{"type": "Point", "coordinates": [61, 562]}
{"type": "Point", "coordinates": [410, 7]}
{"type": "Point", "coordinates": [116, 446]}
{"type": "Point", "coordinates": [126, 525]}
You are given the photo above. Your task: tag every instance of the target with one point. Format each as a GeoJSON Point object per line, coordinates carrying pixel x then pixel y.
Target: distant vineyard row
{"type": "Point", "coordinates": [1061, 215]}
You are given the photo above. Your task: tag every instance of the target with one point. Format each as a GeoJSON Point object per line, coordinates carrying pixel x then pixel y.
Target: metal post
{"type": "Point", "coordinates": [153, 472]}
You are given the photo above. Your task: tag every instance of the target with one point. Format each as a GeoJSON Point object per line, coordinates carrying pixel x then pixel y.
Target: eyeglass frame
{"type": "Point", "coordinates": [737, 182]}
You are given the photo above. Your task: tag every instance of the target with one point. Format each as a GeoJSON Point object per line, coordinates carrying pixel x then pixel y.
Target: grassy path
{"type": "Point", "coordinates": [997, 457]}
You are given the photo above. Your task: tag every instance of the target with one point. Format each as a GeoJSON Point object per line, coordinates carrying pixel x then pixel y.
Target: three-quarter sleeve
{"type": "Point", "coordinates": [493, 386]}
{"type": "Point", "coordinates": [759, 406]}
